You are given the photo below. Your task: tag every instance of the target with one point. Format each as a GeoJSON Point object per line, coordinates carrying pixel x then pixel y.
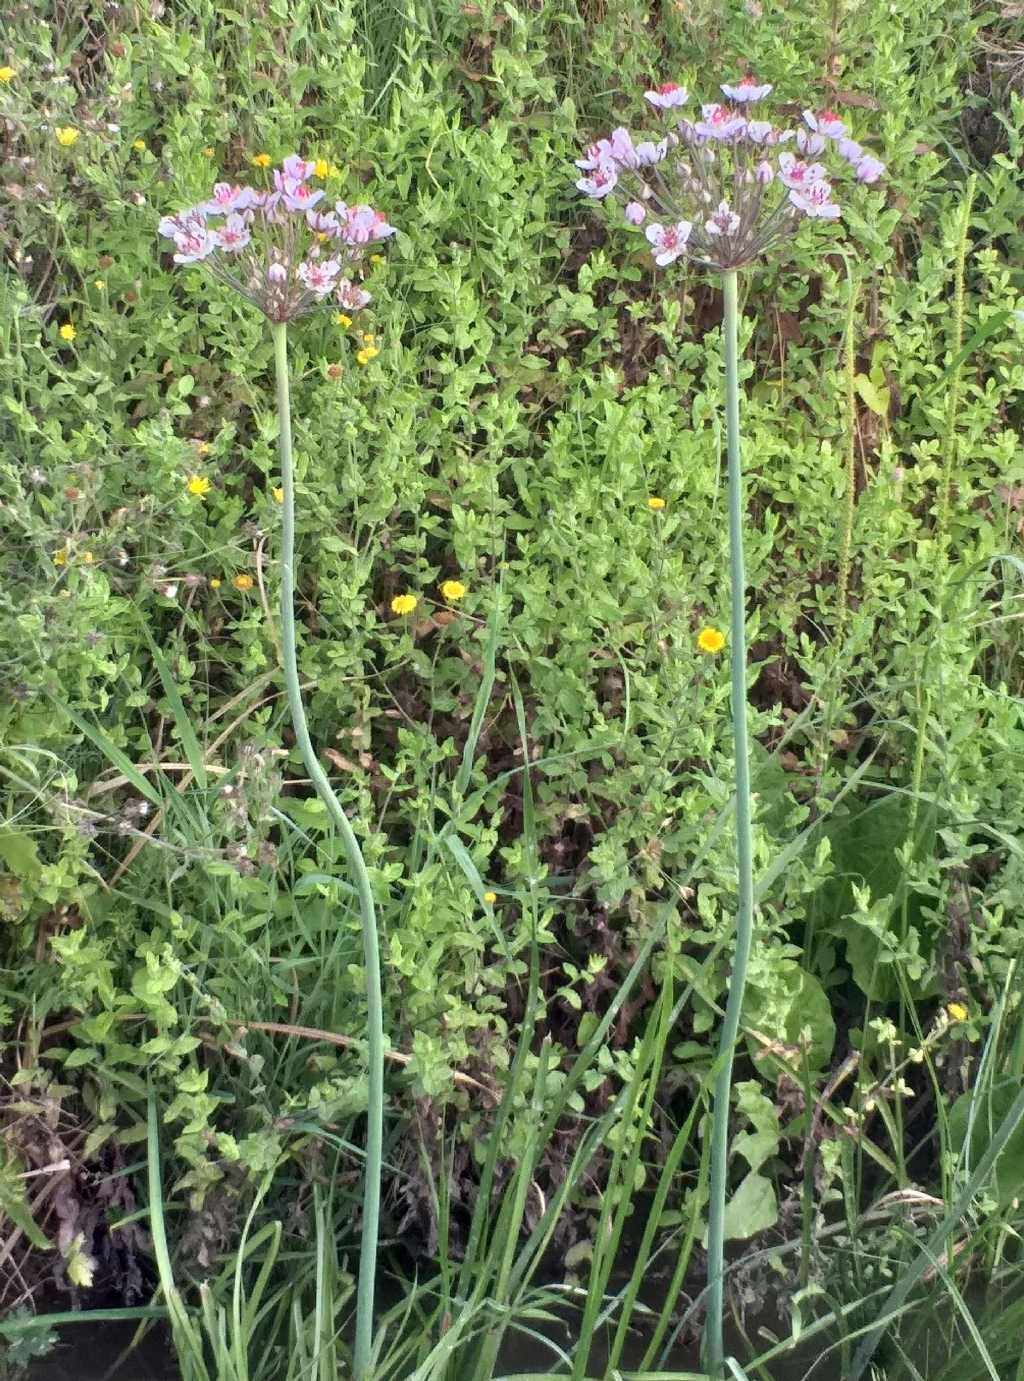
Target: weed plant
{"type": "Point", "coordinates": [539, 768]}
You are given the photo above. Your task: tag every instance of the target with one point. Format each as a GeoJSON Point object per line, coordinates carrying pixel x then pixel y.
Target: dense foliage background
{"type": "Point", "coordinates": [167, 880]}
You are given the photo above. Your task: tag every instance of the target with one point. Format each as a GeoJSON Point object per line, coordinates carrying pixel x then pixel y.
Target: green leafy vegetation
{"type": "Point", "coordinates": [539, 769]}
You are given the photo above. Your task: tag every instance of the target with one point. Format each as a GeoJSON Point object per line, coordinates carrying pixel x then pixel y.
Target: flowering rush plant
{"type": "Point", "coordinates": [278, 246]}
{"type": "Point", "coordinates": [729, 187]}
{"type": "Point", "coordinates": [284, 253]}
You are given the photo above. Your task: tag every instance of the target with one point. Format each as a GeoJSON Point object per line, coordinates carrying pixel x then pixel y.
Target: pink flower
{"type": "Point", "coordinates": [648, 153]}
{"type": "Point", "coordinates": [351, 297]}
{"type": "Point", "coordinates": [320, 278]}
{"type": "Point", "coordinates": [193, 220]}
{"type": "Point", "coordinates": [759, 131]}
{"type": "Point", "coordinates": [601, 182]}
{"type": "Point", "coordinates": [228, 197]}
{"type": "Point", "coordinates": [295, 168]}
{"type": "Point", "coordinates": [234, 234]}
{"type": "Point", "coordinates": [868, 169]}
{"type": "Point", "coordinates": [764, 172]}
{"type": "Point", "coordinates": [747, 90]}
{"type": "Point", "coordinates": [850, 150]}
{"type": "Point", "coordinates": [193, 245]}
{"type": "Point", "coordinates": [809, 143]}
{"type": "Point", "coordinates": [796, 174]}
{"type": "Point", "coordinates": [622, 150]}
{"type": "Point", "coordinates": [362, 224]}
{"type": "Point", "coordinates": [299, 196]}
{"type": "Point", "coordinates": [815, 200]}
{"type": "Point", "coordinates": [277, 273]}
{"type": "Point", "coordinates": [596, 155]}
{"type": "Point", "coordinates": [719, 122]}
{"type": "Point", "coordinates": [635, 213]}
{"type": "Point", "coordinates": [724, 221]}
{"type": "Point", "coordinates": [825, 122]}
{"type": "Point", "coordinates": [666, 95]}
{"type": "Point", "coordinates": [324, 223]}
{"type": "Point", "coordinates": [668, 241]}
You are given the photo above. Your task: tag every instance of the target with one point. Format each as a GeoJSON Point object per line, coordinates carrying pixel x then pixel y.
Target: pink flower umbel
{"type": "Point", "coordinates": [275, 246]}
{"type": "Point", "coordinates": [723, 191]}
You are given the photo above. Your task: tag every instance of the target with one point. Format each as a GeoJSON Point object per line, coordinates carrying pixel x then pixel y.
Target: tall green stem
{"type": "Point", "coordinates": [371, 945]}
{"type": "Point", "coordinates": [714, 1352]}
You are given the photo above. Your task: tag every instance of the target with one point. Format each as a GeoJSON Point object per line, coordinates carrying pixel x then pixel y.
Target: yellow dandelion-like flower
{"type": "Point", "coordinates": [66, 135]}
{"type": "Point", "coordinates": [209, 151]}
{"type": "Point", "coordinates": [139, 145]}
{"type": "Point", "coordinates": [655, 503]}
{"type": "Point", "coordinates": [340, 319]}
{"type": "Point", "coordinates": [60, 558]}
{"type": "Point", "coordinates": [67, 331]}
{"type": "Point", "coordinates": [100, 284]}
{"type": "Point", "coordinates": [215, 582]}
{"type": "Point", "coordinates": [7, 74]}
{"type": "Point", "coordinates": [957, 1011]}
{"type": "Point", "coordinates": [376, 258]}
{"type": "Point", "coordinates": [710, 640]}
{"type": "Point", "coordinates": [369, 338]}
{"type": "Point", "coordinates": [321, 168]}
{"type": "Point", "coordinates": [278, 493]}
{"type": "Point", "coordinates": [243, 581]}
{"type": "Point", "coordinates": [198, 486]}
{"type": "Point", "coordinates": [490, 898]}
{"type": "Point", "coordinates": [87, 558]}
{"type": "Point", "coordinates": [404, 604]}
{"type": "Point", "coordinates": [368, 353]}
{"type": "Point", "coordinates": [453, 590]}
{"type": "Point", "coordinates": [262, 160]}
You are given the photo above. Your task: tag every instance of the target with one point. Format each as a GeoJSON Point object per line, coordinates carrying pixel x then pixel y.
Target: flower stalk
{"type": "Point", "coordinates": [357, 865]}
{"type": "Point", "coordinates": [713, 1336]}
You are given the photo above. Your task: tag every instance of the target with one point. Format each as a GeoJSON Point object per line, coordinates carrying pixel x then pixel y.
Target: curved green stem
{"type": "Point", "coordinates": [371, 945]}
{"type": "Point", "coordinates": [713, 1341]}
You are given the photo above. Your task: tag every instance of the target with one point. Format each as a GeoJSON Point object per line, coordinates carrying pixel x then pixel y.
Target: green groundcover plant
{"type": "Point", "coordinates": [510, 577]}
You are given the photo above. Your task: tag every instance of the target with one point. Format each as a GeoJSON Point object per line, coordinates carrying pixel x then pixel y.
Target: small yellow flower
{"type": "Point", "coordinates": [278, 493]}
{"type": "Point", "coordinates": [957, 1011]}
{"type": "Point", "coordinates": [67, 331]}
{"type": "Point", "coordinates": [261, 160]}
{"type": "Point", "coordinates": [368, 353]}
{"type": "Point", "coordinates": [198, 486]}
{"type": "Point", "coordinates": [453, 590]}
{"type": "Point", "coordinates": [215, 582]}
{"type": "Point", "coordinates": [340, 319]}
{"type": "Point", "coordinates": [202, 447]}
{"type": "Point", "coordinates": [403, 604]}
{"type": "Point", "coordinates": [60, 558]}
{"type": "Point", "coordinates": [655, 503]}
{"type": "Point", "coordinates": [710, 640]}
{"type": "Point", "coordinates": [139, 145]}
{"type": "Point", "coordinates": [209, 151]}
{"type": "Point", "coordinates": [242, 581]}
{"type": "Point", "coordinates": [376, 258]}
{"type": "Point", "coordinates": [321, 168]}
{"type": "Point", "coordinates": [87, 558]}
{"type": "Point", "coordinates": [369, 338]}
{"type": "Point", "coordinates": [7, 74]}
{"type": "Point", "coordinates": [66, 135]}
{"type": "Point", "coordinates": [100, 284]}
{"type": "Point", "coordinates": [490, 898]}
